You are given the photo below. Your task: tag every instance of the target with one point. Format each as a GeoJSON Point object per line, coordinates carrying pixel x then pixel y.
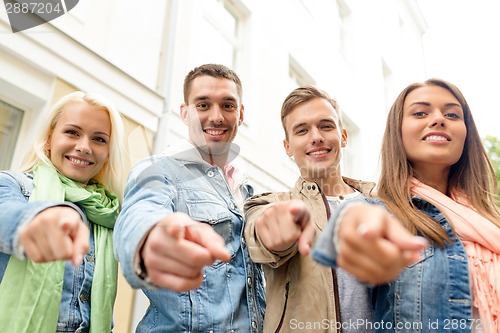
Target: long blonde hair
{"type": "Point", "coordinates": [473, 174]}
{"type": "Point", "coordinates": [111, 174]}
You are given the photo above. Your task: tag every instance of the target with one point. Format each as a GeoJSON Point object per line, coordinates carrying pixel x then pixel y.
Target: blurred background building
{"type": "Point", "coordinates": [136, 53]}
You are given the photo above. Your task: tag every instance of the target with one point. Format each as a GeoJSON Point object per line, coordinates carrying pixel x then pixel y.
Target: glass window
{"type": "Point", "coordinates": [297, 75]}
{"type": "Point", "coordinates": [345, 28]}
{"type": "Point", "coordinates": [10, 122]}
{"type": "Point", "coordinates": [219, 35]}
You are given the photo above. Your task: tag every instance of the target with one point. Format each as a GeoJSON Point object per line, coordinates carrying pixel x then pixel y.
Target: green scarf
{"type": "Point", "coordinates": [30, 293]}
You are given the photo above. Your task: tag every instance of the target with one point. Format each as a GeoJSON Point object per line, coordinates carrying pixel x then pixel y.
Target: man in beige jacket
{"type": "Point", "coordinates": [302, 295]}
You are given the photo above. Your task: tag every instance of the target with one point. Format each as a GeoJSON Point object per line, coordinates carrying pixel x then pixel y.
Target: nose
{"type": "Point", "coordinates": [83, 146]}
{"type": "Point", "coordinates": [437, 119]}
{"type": "Point", "coordinates": [215, 115]}
{"type": "Point", "coordinates": [316, 136]}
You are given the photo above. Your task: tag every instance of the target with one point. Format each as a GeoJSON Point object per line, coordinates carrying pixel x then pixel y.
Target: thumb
{"type": "Point", "coordinates": [175, 224]}
{"type": "Point", "coordinates": [73, 226]}
{"type": "Point", "coordinates": [175, 230]}
{"type": "Point", "coordinates": [300, 213]}
{"type": "Point", "coordinates": [68, 224]}
{"type": "Point", "coordinates": [205, 236]}
{"type": "Point", "coordinates": [383, 225]}
{"type": "Point", "coordinates": [306, 239]}
{"type": "Point", "coordinates": [404, 239]}
{"type": "Point", "coordinates": [80, 244]}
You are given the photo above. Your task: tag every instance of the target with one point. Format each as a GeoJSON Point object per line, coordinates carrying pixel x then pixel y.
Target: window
{"type": "Point", "coordinates": [348, 153]}
{"type": "Point", "coordinates": [10, 122]}
{"type": "Point", "coordinates": [220, 34]}
{"type": "Point", "coordinates": [388, 84]}
{"type": "Point", "coordinates": [345, 16]}
{"type": "Point", "coordinates": [297, 75]}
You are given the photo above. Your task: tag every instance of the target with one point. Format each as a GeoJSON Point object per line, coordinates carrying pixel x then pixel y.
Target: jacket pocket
{"type": "Point", "coordinates": [218, 216]}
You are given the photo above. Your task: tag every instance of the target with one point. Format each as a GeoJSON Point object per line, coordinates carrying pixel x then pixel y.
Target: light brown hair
{"type": "Point", "coordinates": [472, 174]}
{"type": "Point", "coordinates": [305, 94]}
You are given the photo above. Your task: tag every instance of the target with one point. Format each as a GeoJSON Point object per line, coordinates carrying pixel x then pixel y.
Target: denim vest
{"type": "Point", "coordinates": [432, 295]}
{"type": "Point", "coordinates": [15, 190]}
{"type": "Point", "coordinates": [231, 297]}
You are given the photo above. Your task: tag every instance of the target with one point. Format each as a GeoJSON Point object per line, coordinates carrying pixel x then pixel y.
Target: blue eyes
{"type": "Point", "coordinates": [75, 133]}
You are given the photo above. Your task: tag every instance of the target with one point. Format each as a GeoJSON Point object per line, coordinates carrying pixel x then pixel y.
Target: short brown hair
{"type": "Point", "coordinates": [213, 70]}
{"type": "Point", "coordinates": [305, 94]}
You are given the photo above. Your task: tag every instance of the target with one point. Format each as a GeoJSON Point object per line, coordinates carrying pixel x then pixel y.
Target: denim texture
{"type": "Point", "coordinates": [432, 295]}
{"type": "Point", "coordinates": [231, 297]}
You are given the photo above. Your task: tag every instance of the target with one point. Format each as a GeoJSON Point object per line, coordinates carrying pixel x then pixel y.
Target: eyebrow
{"type": "Point", "coordinates": [429, 104]}
{"type": "Point", "coordinates": [81, 129]}
{"type": "Point", "coordinates": [298, 125]}
{"type": "Point", "coordinates": [326, 120]}
{"type": "Point", "coordinates": [205, 98]}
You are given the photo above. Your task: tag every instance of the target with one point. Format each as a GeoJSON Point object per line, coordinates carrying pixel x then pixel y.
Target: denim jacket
{"type": "Point", "coordinates": [432, 295]}
{"type": "Point", "coordinates": [231, 297]}
{"type": "Point", "coordinates": [15, 212]}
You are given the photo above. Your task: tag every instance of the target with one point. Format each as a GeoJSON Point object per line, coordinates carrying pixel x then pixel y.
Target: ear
{"type": "Point", "coordinates": [184, 113]}
{"type": "Point", "coordinates": [242, 115]}
{"type": "Point", "coordinates": [344, 138]}
{"type": "Point", "coordinates": [287, 147]}
{"type": "Point", "coordinates": [46, 146]}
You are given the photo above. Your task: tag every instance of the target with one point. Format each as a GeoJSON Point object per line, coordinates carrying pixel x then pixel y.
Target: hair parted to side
{"type": "Point", "coordinates": [111, 174]}
{"type": "Point", "coordinates": [213, 70]}
{"type": "Point", "coordinates": [305, 94]}
{"type": "Point", "coordinates": [472, 174]}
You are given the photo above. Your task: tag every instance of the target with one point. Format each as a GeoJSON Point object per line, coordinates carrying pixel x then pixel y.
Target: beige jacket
{"type": "Point", "coordinates": [301, 295]}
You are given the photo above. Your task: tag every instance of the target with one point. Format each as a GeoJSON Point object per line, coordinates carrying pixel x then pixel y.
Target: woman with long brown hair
{"type": "Point", "coordinates": [438, 181]}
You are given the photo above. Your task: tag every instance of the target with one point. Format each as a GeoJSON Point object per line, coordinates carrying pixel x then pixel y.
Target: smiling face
{"type": "Point", "coordinates": [433, 129]}
{"type": "Point", "coordinates": [79, 143]}
{"type": "Point", "coordinates": [315, 139]}
{"type": "Point", "coordinates": [213, 114]}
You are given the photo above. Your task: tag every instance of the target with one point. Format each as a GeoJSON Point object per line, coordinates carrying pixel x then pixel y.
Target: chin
{"type": "Point", "coordinates": [218, 148]}
{"type": "Point", "coordinates": [78, 178]}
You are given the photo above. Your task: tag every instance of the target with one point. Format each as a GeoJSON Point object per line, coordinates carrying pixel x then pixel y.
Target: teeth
{"type": "Point", "coordinates": [319, 152]}
{"type": "Point", "coordinates": [74, 160]}
{"type": "Point", "coordinates": [436, 138]}
{"type": "Point", "coordinates": [215, 132]}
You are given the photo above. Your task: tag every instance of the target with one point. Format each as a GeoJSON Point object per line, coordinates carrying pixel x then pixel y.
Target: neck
{"type": "Point", "coordinates": [219, 160]}
{"type": "Point", "coordinates": [435, 178]}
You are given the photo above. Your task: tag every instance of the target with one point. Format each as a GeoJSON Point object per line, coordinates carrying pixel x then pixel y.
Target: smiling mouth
{"type": "Point", "coordinates": [215, 132]}
{"type": "Point", "coordinates": [78, 161]}
{"type": "Point", "coordinates": [436, 138]}
{"type": "Point", "coordinates": [318, 152]}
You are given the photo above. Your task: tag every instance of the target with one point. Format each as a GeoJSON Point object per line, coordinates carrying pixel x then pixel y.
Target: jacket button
{"type": "Point", "coordinates": [308, 187]}
{"type": "Point", "coordinates": [82, 298]}
{"type": "Point", "coordinates": [210, 173]}
{"type": "Point", "coordinates": [249, 281]}
{"type": "Point", "coordinates": [314, 187]}
{"type": "Point", "coordinates": [254, 325]}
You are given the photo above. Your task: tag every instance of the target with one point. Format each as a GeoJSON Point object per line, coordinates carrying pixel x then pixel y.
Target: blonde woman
{"type": "Point", "coordinates": [57, 268]}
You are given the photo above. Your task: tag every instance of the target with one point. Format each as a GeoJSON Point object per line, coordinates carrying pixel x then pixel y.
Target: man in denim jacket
{"type": "Point", "coordinates": [193, 181]}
